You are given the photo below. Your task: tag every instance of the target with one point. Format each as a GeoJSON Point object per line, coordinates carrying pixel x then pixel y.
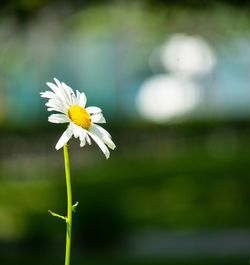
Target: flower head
{"type": "Point", "coordinates": [82, 121]}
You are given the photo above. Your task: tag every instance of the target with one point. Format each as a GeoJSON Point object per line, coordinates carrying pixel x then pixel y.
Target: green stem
{"type": "Point", "coordinates": [69, 208]}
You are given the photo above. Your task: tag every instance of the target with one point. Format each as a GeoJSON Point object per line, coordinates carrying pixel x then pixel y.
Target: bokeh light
{"type": "Point", "coordinates": [187, 55]}
{"type": "Point", "coordinates": [164, 97]}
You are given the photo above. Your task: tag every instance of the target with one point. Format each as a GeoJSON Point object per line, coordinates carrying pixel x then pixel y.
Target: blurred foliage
{"type": "Point", "coordinates": [195, 178]}
{"type": "Point", "coordinates": [104, 260]}
{"type": "Point", "coordinates": [28, 7]}
{"type": "Point", "coordinates": [114, 42]}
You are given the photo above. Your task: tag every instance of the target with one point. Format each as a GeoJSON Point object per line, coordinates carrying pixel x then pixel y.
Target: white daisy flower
{"type": "Point", "coordinates": [82, 121]}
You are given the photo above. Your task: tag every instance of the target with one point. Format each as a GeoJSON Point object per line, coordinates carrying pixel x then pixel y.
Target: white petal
{"type": "Point", "coordinates": [64, 138]}
{"type": "Point", "coordinates": [65, 91]}
{"type": "Point", "coordinates": [78, 131]}
{"type": "Point", "coordinates": [83, 142]}
{"type": "Point", "coordinates": [52, 96]}
{"type": "Point", "coordinates": [82, 137]}
{"type": "Point", "coordinates": [59, 91]}
{"type": "Point", "coordinates": [102, 130]}
{"type": "Point", "coordinates": [70, 93]}
{"type": "Point", "coordinates": [82, 100]}
{"type": "Point", "coordinates": [78, 94]}
{"type": "Point", "coordinates": [103, 134]}
{"type": "Point", "coordinates": [56, 90]}
{"type": "Point", "coordinates": [56, 109]}
{"type": "Point", "coordinates": [98, 118]}
{"type": "Point", "coordinates": [48, 94]}
{"type": "Point", "coordinates": [75, 131]}
{"type": "Point", "coordinates": [58, 118]}
{"type": "Point", "coordinates": [100, 143]}
{"type": "Point", "coordinates": [88, 139]}
{"type": "Point", "coordinates": [57, 102]}
{"type": "Point", "coordinates": [57, 105]}
{"type": "Point", "coordinates": [68, 88]}
{"type": "Point", "coordinates": [81, 133]}
{"type": "Point", "coordinates": [58, 83]}
{"type": "Point", "coordinates": [53, 87]}
{"type": "Point", "coordinates": [74, 100]}
{"type": "Point", "coordinates": [93, 110]}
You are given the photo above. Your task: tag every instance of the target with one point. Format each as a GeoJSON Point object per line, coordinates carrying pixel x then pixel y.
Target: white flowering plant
{"type": "Point", "coordinates": [83, 124]}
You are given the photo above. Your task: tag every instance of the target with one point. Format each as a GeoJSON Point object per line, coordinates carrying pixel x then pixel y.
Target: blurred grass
{"type": "Point", "coordinates": [161, 178]}
{"type": "Point", "coordinates": [126, 261]}
{"type": "Point", "coordinates": [193, 177]}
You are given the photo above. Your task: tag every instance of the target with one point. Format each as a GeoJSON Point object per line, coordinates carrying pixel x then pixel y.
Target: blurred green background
{"type": "Point", "coordinates": [172, 78]}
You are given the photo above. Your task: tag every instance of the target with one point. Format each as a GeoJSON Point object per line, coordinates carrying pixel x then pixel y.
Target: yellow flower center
{"type": "Point", "coordinates": [79, 116]}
